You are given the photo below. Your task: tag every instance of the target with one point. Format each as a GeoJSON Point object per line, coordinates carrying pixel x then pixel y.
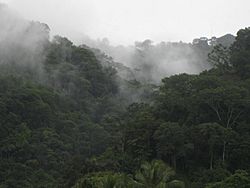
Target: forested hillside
{"type": "Point", "coordinates": [150, 61]}
{"type": "Point", "coordinates": [68, 118]}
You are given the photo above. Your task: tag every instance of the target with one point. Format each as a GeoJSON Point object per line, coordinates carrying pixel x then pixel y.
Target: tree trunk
{"type": "Point", "coordinates": [174, 161]}
{"type": "Point", "coordinates": [211, 160]}
{"type": "Point", "coordinates": [224, 152]}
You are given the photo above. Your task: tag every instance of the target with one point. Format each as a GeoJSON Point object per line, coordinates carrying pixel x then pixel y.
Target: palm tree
{"type": "Point", "coordinates": [155, 175]}
{"type": "Point", "coordinates": [151, 175]}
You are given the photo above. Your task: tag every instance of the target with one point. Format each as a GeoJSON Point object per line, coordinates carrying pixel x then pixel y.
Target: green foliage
{"type": "Point", "coordinates": [176, 184]}
{"type": "Point", "coordinates": [210, 136]}
{"type": "Point", "coordinates": [105, 180]}
{"type": "Point", "coordinates": [240, 54]}
{"type": "Point", "coordinates": [170, 139]}
{"type": "Point", "coordinates": [154, 175]}
{"type": "Point", "coordinates": [240, 179]}
{"type": "Point", "coordinates": [47, 122]}
{"type": "Point", "coordinates": [220, 58]}
{"type": "Point", "coordinates": [68, 124]}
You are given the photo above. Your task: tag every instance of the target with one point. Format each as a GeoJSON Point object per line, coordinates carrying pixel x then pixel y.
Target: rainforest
{"type": "Point", "coordinates": [155, 115]}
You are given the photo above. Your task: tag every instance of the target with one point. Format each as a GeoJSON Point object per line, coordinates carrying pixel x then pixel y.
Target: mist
{"type": "Point", "coordinates": [125, 22]}
{"type": "Point", "coordinates": [103, 93]}
{"type": "Point", "coordinates": [150, 62]}
{"type": "Point", "coordinates": [22, 42]}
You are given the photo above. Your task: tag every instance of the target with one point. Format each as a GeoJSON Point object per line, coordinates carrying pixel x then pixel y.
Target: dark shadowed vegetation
{"type": "Point", "coordinates": [70, 120]}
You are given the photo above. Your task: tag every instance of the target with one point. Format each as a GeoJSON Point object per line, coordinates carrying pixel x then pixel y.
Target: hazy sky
{"type": "Point", "coordinates": [125, 21]}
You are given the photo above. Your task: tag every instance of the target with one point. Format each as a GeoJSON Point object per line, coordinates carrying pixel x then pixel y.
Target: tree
{"type": "Point", "coordinates": [220, 58]}
{"type": "Point", "coordinates": [173, 96]}
{"type": "Point", "coordinates": [240, 179]}
{"type": "Point", "coordinates": [105, 180]}
{"type": "Point", "coordinates": [170, 140]}
{"type": "Point", "coordinates": [154, 175]}
{"type": "Point", "coordinates": [227, 103]}
{"type": "Point", "coordinates": [140, 126]}
{"type": "Point", "coordinates": [211, 136]}
{"type": "Point", "coordinates": [240, 53]}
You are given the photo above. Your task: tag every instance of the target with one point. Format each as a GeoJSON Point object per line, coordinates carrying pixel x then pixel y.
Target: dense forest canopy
{"type": "Point", "coordinates": [72, 116]}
